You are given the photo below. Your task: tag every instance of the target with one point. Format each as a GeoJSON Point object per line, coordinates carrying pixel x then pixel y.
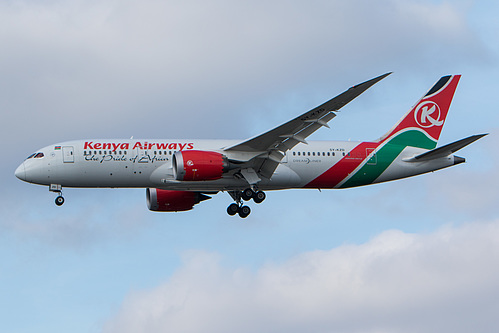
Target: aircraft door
{"type": "Point", "coordinates": [68, 154]}
{"type": "Point", "coordinates": [373, 160]}
{"type": "Point", "coordinates": [142, 160]}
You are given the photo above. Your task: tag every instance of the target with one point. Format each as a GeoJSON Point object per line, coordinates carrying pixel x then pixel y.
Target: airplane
{"type": "Point", "coordinates": [178, 174]}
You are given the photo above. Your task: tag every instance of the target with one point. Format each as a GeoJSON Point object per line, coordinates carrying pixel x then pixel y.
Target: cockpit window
{"type": "Point", "coordinates": [35, 155]}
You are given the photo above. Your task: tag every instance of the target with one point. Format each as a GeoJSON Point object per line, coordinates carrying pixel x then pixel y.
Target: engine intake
{"type": "Point", "coordinates": [198, 165]}
{"type": "Point", "coordinates": [159, 200]}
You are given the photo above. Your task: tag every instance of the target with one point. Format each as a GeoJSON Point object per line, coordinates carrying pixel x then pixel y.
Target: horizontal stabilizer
{"type": "Point", "coordinates": [447, 149]}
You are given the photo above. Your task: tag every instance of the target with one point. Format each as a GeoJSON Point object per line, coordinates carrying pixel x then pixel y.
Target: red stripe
{"type": "Point", "coordinates": [344, 167]}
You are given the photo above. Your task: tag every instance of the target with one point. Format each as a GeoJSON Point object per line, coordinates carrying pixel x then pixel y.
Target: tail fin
{"type": "Point", "coordinates": [422, 125]}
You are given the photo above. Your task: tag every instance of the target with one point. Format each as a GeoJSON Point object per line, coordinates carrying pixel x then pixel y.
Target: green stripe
{"type": "Point", "coordinates": [413, 138]}
{"type": "Point", "coordinates": [386, 155]}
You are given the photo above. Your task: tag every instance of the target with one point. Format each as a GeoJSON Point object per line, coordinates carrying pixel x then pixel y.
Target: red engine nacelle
{"type": "Point", "coordinates": [197, 165]}
{"type": "Point", "coordinates": [172, 201]}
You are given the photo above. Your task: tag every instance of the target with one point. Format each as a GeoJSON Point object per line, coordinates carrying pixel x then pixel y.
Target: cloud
{"type": "Point", "coordinates": [396, 282]}
{"type": "Point", "coordinates": [109, 67]}
{"type": "Point", "coordinates": [81, 69]}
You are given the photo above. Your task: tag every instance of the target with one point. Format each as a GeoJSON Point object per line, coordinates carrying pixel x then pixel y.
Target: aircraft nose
{"type": "Point", "coordinates": [21, 172]}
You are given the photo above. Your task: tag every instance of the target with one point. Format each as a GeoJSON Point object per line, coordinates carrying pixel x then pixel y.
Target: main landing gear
{"type": "Point", "coordinates": [239, 198]}
{"type": "Point", "coordinates": [59, 200]}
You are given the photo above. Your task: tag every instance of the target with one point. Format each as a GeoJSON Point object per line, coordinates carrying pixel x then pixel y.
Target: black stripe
{"type": "Point", "coordinates": [438, 85]}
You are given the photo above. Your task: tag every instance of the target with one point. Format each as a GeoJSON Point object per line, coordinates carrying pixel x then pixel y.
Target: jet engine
{"type": "Point", "coordinates": [198, 165]}
{"type": "Point", "coordinates": [172, 201]}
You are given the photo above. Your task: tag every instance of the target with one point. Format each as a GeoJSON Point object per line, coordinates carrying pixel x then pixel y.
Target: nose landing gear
{"type": "Point", "coordinates": [241, 196]}
{"type": "Point", "coordinates": [59, 200]}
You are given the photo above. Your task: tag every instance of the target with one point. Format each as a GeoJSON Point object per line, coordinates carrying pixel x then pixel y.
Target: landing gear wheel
{"type": "Point", "coordinates": [59, 200]}
{"type": "Point", "coordinates": [232, 209]}
{"type": "Point", "coordinates": [244, 211]}
{"type": "Point", "coordinates": [259, 196]}
{"type": "Point", "coordinates": [247, 194]}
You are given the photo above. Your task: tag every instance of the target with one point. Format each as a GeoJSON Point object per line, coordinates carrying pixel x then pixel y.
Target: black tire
{"type": "Point", "coordinates": [59, 201]}
{"type": "Point", "coordinates": [244, 211]}
{"type": "Point", "coordinates": [247, 194]}
{"type": "Point", "coordinates": [259, 197]}
{"type": "Point", "coordinates": [232, 209]}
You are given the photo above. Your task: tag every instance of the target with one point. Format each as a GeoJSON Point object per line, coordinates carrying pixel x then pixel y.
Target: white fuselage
{"type": "Point", "coordinates": [148, 164]}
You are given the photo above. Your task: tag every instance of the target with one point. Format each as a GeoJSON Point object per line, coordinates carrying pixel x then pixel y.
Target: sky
{"type": "Point", "coordinates": [415, 255]}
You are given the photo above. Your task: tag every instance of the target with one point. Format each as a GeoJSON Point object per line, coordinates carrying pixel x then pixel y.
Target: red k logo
{"type": "Point", "coordinates": [427, 114]}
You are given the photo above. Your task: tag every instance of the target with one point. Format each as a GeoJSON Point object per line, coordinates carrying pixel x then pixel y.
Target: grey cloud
{"type": "Point", "coordinates": [76, 69]}
{"type": "Point", "coordinates": [397, 282]}
{"type": "Point", "coordinates": [114, 67]}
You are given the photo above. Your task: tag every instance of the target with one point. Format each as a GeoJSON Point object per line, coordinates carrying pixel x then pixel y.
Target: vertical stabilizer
{"type": "Point", "coordinates": [422, 125]}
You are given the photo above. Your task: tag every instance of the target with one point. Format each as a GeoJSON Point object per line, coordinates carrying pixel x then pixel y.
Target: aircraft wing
{"type": "Point", "coordinates": [268, 149]}
{"type": "Point", "coordinates": [288, 135]}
